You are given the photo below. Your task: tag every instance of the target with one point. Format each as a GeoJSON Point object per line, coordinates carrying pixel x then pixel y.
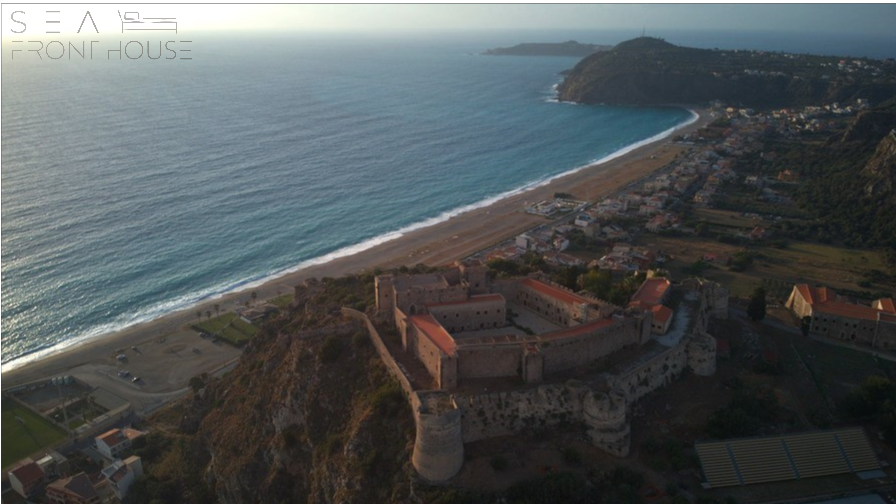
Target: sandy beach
{"type": "Point", "coordinates": [163, 357]}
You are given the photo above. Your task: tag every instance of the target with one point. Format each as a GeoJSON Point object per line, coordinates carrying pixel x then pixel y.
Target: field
{"type": "Point", "coordinates": [799, 262]}
{"type": "Point", "coordinates": [230, 328]}
{"type": "Point", "coordinates": [21, 439]}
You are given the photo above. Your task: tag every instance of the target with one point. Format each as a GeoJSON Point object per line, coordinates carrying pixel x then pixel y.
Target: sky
{"type": "Point", "coordinates": [866, 19]}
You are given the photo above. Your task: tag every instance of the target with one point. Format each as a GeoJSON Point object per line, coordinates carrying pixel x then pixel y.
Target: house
{"type": "Point", "coordinates": [27, 478]}
{"type": "Point", "coordinates": [112, 443]}
{"type": "Point", "coordinates": [651, 293]}
{"type": "Point", "coordinates": [561, 259]}
{"type": "Point", "coordinates": [75, 490]}
{"type": "Point", "coordinates": [119, 476]}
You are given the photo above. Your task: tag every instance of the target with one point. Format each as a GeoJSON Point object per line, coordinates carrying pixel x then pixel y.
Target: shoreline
{"type": "Point", "coordinates": [436, 241]}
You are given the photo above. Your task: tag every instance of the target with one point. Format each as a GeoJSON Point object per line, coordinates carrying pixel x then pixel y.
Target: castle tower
{"type": "Point", "coordinates": [385, 293]}
{"type": "Point", "coordinates": [605, 416]}
{"type": "Point", "coordinates": [439, 447]}
{"type": "Point", "coordinates": [476, 275]}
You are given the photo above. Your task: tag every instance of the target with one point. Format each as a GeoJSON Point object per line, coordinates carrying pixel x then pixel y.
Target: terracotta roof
{"type": "Point", "coordinates": [579, 329]}
{"type": "Point", "coordinates": [816, 295]}
{"type": "Point", "coordinates": [111, 438]}
{"type": "Point", "coordinates": [850, 310]}
{"type": "Point", "coordinates": [887, 305]}
{"type": "Point", "coordinates": [661, 314]}
{"type": "Point", "coordinates": [652, 291]}
{"type": "Point", "coordinates": [78, 484]}
{"type": "Point", "coordinates": [28, 473]}
{"type": "Point", "coordinates": [887, 317]}
{"type": "Point", "coordinates": [481, 298]}
{"type": "Point", "coordinates": [429, 327]}
{"type": "Point", "coordinates": [486, 340]}
{"type": "Point", "coordinates": [554, 292]}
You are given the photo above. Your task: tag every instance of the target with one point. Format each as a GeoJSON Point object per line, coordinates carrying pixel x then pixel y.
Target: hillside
{"type": "Point", "coordinates": [308, 415]}
{"type": "Point", "coordinates": [568, 48]}
{"type": "Point", "coordinates": [648, 71]}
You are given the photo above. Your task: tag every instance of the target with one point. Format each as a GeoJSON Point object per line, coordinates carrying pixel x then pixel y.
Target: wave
{"type": "Point", "coordinates": [191, 301]}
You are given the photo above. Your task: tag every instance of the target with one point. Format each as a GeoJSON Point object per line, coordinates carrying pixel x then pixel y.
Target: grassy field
{"type": "Point", "coordinates": [800, 262]}
{"type": "Point", "coordinates": [20, 441]}
{"type": "Point", "coordinates": [281, 301]}
{"type": "Point", "coordinates": [230, 328]}
{"type": "Point", "coordinates": [725, 218]}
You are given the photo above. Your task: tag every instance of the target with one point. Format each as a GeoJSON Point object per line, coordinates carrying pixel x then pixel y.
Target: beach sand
{"type": "Point", "coordinates": [441, 244]}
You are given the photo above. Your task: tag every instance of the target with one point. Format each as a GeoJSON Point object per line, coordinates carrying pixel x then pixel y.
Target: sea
{"type": "Point", "coordinates": [132, 189]}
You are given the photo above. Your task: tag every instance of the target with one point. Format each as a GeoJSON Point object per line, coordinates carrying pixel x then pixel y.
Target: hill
{"type": "Point", "coordinates": [568, 48]}
{"type": "Point", "coordinates": [649, 71]}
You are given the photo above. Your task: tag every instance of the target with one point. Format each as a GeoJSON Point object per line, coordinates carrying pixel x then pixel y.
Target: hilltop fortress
{"type": "Point", "coordinates": [465, 328]}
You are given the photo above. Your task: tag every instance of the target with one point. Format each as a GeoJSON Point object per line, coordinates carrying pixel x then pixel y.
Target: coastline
{"type": "Point", "coordinates": [438, 241]}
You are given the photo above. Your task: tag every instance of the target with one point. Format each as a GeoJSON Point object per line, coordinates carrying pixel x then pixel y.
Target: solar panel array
{"type": "Point", "coordinates": [780, 458]}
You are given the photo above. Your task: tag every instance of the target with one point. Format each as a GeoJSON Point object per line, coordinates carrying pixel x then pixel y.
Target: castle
{"type": "Point", "coordinates": [462, 327]}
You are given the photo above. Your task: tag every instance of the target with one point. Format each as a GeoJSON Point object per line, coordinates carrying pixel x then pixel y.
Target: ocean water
{"type": "Point", "coordinates": [134, 189]}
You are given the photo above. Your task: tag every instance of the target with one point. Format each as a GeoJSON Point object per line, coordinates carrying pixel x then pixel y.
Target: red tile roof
{"type": "Point", "coordinates": [652, 291]}
{"type": "Point", "coordinates": [78, 484]}
{"type": "Point", "coordinates": [824, 300]}
{"type": "Point", "coordinates": [661, 314]}
{"type": "Point", "coordinates": [554, 292]}
{"type": "Point", "coordinates": [887, 305]}
{"type": "Point", "coordinates": [579, 329]}
{"type": "Point", "coordinates": [429, 327]}
{"type": "Point", "coordinates": [888, 317]}
{"type": "Point", "coordinates": [28, 474]}
{"type": "Point", "coordinates": [849, 310]}
{"type": "Point", "coordinates": [481, 298]}
{"type": "Point", "coordinates": [112, 437]}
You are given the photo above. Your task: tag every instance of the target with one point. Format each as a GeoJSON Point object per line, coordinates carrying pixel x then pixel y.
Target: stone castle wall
{"type": "Point", "coordinates": [566, 353]}
{"type": "Point", "coordinates": [471, 316]}
{"type": "Point", "coordinates": [489, 361]}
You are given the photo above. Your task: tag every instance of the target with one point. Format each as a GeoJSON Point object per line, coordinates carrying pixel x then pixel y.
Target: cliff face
{"type": "Point", "coordinates": [285, 426]}
{"type": "Point", "coordinates": [881, 169]}
{"type": "Point", "coordinates": [648, 71]}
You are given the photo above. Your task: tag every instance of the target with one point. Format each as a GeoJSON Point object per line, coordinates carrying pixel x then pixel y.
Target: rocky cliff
{"type": "Point", "coordinates": [881, 169]}
{"type": "Point", "coordinates": [649, 71]}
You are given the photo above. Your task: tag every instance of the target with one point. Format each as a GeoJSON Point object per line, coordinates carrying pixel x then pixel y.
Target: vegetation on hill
{"type": "Point", "coordinates": [648, 70]}
{"type": "Point", "coordinates": [568, 48]}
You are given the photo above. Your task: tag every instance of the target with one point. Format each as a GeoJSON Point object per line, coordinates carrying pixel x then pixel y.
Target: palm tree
{"type": "Point", "coordinates": [217, 308]}
{"type": "Point", "coordinates": [208, 314]}
{"type": "Point", "coordinates": [254, 296]}
{"type": "Point", "coordinates": [199, 315]}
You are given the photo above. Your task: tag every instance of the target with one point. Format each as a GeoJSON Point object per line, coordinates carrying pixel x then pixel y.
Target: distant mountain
{"type": "Point", "coordinates": [649, 71]}
{"type": "Point", "coordinates": [569, 48]}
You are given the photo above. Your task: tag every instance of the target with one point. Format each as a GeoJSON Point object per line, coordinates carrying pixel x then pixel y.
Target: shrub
{"type": "Point", "coordinates": [330, 350]}
{"type": "Point", "coordinates": [499, 463]}
{"type": "Point", "coordinates": [572, 456]}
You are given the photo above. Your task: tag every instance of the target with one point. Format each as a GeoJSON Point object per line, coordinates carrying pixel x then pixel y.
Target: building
{"type": "Point", "coordinates": [112, 443]}
{"type": "Point", "coordinates": [832, 316]}
{"type": "Point", "coordinates": [27, 478]}
{"type": "Point", "coordinates": [121, 475]}
{"type": "Point", "coordinates": [75, 490]}
{"type": "Point", "coordinates": [456, 324]}
{"type": "Point", "coordinates": [650, 296]}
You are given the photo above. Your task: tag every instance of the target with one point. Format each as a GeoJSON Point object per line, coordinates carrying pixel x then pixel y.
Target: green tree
{"type": "Point", "coordinates": [805, 325]}
{"type": "Point", "coordinates": [217, 309]}
{"type": "Point", "coordinates": [756, 308]}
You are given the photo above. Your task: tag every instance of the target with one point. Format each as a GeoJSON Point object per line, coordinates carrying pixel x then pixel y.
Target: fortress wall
{"type": "Point", "coordinates": [471, 316]}
{"type": "Point", "coordinates": [562, 354]}
{"type": "Point", "coordinates": [418, 297]}
{"type": "Point", "coordinates": [426, 352]}
{"type": "Point", "coordinates": [548, 307]}
{"type": "Point", "coordinates": [383, 351]}
{"type": "Point", "coordinates": [507, 288]}
{"type": "Point", "coordinates": [503, 413]}
{"type": "Point", "coordinates": [489, 361]}
{"type": "Point", "coordinates": [648, 376]}
{"type": "Point", "coordinates": [701, 350]}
